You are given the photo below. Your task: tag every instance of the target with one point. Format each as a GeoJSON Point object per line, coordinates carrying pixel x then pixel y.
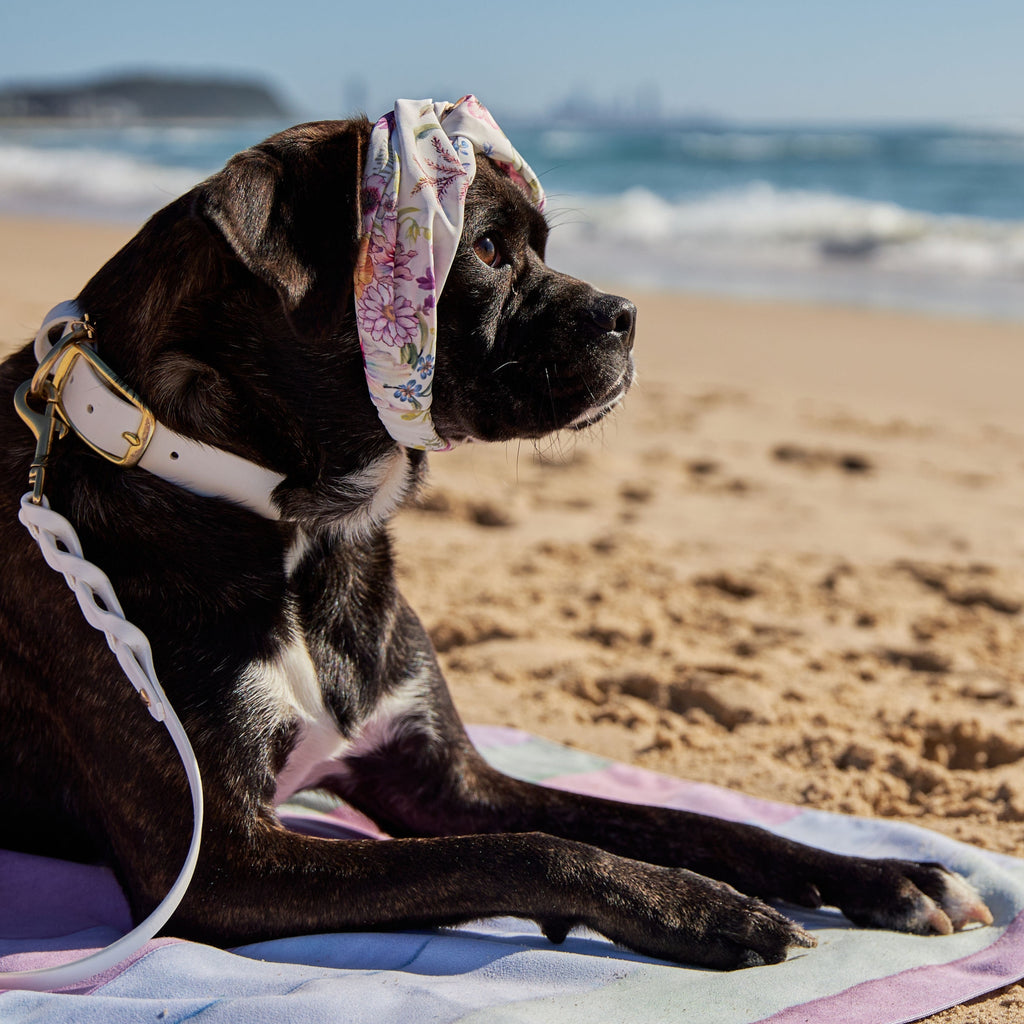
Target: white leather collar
{"type": "Point", "coordinates": [106, 421]}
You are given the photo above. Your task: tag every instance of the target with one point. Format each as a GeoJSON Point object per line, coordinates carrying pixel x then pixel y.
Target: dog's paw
{"type": "Point", "coordinates": [923, 899]}
{"type": "Point", "coordinates": [688, 918]}
{"type": "Point", "coordinates": [752, 934]}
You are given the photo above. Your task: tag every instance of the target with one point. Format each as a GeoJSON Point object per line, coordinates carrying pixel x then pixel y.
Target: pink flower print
{"type": "Point", "coordinates": [478, 110]}
{"type": "Point", "coordinates": [388, 319]}
{"type": "Point", "coordinates": [440, 172]}
{"type": "Point", "coordinates": [531, 188]}
{"type": "Point", "coordinates": [382, 241]}
{"type": "Point", "coordinates": [402, 258]}
{"type": "Point", "coordinates": [388, 252]}
{"type": "Point", "coordinates": [373, 193]}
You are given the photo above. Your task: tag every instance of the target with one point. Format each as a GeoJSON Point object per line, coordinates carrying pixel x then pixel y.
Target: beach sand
{"type": "Point", "coordinates": [791, 563]}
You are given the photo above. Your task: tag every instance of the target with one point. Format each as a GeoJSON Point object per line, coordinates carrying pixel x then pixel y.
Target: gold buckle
{"type": "Point", "coordinates": [61, 362]}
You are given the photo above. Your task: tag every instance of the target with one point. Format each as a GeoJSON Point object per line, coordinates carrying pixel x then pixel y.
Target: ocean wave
{"type": "Point", "coordinates": [700, 147]}
{"type": "Point", "coordinates": [764, 242]}
{"type": "Point", "coordinates": [1003, 148]}
{"type": "Point", "coordinates": [83, 182]}
{"type": "Point", "coordinates": [759, 222]}
{"type": "Point", "coordinates": [753, 237]}
{"type": "Point", "coordinates": [750, 146]}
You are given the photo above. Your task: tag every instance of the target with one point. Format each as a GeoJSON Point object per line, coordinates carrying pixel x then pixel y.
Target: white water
{"type": "Point", "coordinates": [755, 239]}
{"type": "Point", "coordinates": [762, 241]}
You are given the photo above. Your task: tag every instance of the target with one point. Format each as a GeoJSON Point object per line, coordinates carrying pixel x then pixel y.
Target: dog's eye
{"type": "Point", "coordinates": [487, 251]}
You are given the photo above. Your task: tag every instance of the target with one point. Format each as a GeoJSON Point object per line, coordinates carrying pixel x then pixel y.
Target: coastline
{"type": "Point", "coordinates": [790, 564]}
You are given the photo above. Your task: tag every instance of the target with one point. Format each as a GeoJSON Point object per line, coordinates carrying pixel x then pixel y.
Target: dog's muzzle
{"type": "Point", "coordinates": [611, 323]}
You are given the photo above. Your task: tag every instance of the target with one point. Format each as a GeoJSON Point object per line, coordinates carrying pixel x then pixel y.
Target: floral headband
{"type": "Point", "coordinates": [420, 163]}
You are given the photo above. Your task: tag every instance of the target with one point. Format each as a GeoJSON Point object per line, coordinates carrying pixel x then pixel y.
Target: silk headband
{"type": "Point", "coordinates": [419, 166]}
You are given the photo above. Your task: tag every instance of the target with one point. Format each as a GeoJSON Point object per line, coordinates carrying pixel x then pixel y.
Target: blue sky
{"type": "Point", "coordinates": [774, 60]}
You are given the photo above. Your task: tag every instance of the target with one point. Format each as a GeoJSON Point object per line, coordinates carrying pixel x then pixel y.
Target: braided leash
{"type": "Point", "coordinates": [63, 552]}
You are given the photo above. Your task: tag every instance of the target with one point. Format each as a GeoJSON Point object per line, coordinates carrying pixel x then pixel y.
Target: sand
{"type": "Point", "coordinates": [791, 563]}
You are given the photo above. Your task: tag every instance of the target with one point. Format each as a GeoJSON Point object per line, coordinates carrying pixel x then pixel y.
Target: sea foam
{"type": "Point", "coordinates": [753, 237]}
{"type": "Point", "coordinates": [87, 183]}
{"type": "Point", "coordinates": [762, 240]}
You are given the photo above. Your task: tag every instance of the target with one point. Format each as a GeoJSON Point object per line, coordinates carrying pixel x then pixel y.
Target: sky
{"type": "Point", "coordinates": [750, 60]}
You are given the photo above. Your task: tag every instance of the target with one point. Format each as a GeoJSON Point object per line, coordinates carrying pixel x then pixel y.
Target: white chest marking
{"type": "Point", "coordinates": [289, 689]}
{"type": "Point", "coordinates": [288, 684]}
{"type": "Point", "coordinates": [386, 484]}
{"type": "Point", "coordinates": [296, 551]}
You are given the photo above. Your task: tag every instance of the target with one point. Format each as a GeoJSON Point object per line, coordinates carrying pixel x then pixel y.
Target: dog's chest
{"type": "Point", "coordinates": [287, 689]}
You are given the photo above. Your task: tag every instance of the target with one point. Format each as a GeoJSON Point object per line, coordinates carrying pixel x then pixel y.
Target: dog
{"type": "Point", "coordinates": [283, 642]}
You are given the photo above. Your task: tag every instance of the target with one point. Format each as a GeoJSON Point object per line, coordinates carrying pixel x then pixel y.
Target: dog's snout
{"type": "Point", "coordinates": [614, 314]}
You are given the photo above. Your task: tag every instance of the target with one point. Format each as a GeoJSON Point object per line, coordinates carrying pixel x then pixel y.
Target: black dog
{"type": "Point", "coordinates": [285, 645]}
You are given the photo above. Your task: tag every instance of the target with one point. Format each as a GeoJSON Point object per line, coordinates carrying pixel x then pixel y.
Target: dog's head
{"type": "Point", "coordinates": [232, 312]}
{"type": "Point", "coordinates": [523, 350]}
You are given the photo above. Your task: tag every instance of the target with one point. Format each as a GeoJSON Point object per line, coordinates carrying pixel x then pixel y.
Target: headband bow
{"type": "Point", "coordinates": [420, 163]}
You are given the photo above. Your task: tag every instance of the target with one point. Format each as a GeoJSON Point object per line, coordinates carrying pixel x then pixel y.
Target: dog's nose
{"type": "Point", "coordinates": [613, 313]}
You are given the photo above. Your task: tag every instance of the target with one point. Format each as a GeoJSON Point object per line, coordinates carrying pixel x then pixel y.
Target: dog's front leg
{"type": "Point", "coordinates": [257, 880]}
{"type": "Point", "coordinates": [923, 898]}
{"type": "Point", "coordinates": [276, 883]}
{"type": "Point", "coordinates": [441, 785]}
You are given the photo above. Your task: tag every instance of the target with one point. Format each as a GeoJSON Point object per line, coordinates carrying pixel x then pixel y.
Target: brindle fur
{"type": "Point", "coordinates": [231, 313]}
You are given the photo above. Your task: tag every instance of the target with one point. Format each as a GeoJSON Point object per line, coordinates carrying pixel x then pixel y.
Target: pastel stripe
{"type": "Point", "coordinates": [920, 991]}
{"type": "Point", "coordinates": [640, 786]}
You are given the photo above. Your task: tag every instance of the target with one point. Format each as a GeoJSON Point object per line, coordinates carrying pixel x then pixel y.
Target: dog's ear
{"type": "Point", "coordinates": [290, 209]}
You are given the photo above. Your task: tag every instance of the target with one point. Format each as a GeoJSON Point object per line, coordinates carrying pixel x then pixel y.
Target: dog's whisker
{"type": "Point", "coordinates": [551, 394]}
{"type": "Point", "coordinates": [560, 218]}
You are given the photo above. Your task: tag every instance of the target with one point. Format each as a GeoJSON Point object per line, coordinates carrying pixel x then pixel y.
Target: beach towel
{"type": "Point", "coordinates": [503, 971]}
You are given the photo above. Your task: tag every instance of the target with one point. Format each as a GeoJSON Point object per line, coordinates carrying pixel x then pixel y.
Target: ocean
{"type": "Point", "coordinates": [913, 217]}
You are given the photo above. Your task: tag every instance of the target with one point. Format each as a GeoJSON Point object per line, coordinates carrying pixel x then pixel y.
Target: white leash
{"type": "Point", "coordinates": [80, 393]}
{"type": "Point", "coordinates": [63, 552]}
